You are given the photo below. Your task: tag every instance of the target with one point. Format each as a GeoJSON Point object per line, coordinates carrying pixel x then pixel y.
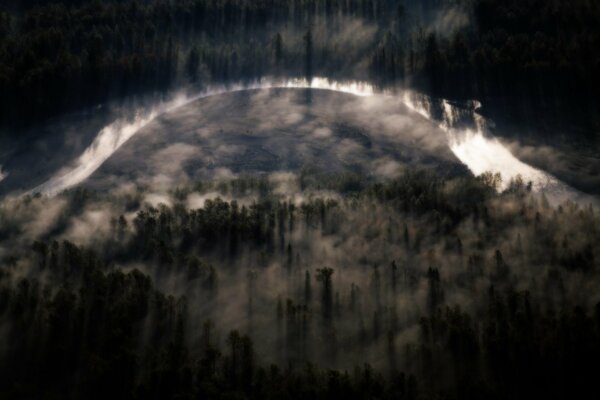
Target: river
{"type": "Point", "coordinates": [466, 130]}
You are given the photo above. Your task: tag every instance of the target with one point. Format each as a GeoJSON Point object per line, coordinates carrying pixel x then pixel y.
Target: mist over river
{"type": "Point", "coordinates": [465, 134]}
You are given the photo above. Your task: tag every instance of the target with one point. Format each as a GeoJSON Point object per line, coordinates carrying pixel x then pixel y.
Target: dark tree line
{"type": "Point", "coordinates": [62, 56]}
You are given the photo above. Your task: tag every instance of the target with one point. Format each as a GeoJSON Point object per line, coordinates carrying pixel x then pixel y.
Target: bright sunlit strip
{"type": "Point", "coordinates": [483, 154]}
{"type": "Point", "coordinates": [475, 149]}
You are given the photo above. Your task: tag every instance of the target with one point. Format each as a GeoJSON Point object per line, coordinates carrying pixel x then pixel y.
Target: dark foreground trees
{"type": "Point", "coordinates": [406, 290]}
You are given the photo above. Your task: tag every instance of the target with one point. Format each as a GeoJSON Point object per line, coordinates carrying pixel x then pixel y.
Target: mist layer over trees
{"type": "Point", "coordinates": [300, 286]}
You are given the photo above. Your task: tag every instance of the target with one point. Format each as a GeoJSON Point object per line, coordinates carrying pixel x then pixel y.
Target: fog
{"type": "Point", "coordinates": [467, 136]}
{"type": "Point", "coordinates": [359, 237]}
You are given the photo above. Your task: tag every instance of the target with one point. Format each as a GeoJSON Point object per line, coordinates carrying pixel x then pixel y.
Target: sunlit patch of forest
{"type": "Point", "coordinates": [300, 286]}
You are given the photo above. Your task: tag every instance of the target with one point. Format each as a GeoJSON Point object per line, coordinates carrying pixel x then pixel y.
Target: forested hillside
{"type": "Point", "coordinates": [59, 56]}
{"type": "Point", "coordinates": [417, 288]}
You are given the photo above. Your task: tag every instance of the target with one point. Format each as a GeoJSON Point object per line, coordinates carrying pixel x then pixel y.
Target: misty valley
{"type": "Point", "coordinates": [299, 199]}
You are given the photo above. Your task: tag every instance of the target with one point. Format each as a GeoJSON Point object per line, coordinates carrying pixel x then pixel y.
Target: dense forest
{"type": "Point", "coordinates": [300, 286]}
{"type": "Point", "coordinates": [235, 271]}
{"type": "Point", "coordinates": [67, 55]}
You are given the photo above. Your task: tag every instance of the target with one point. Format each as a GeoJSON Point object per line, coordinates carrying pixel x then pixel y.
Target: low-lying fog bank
{"type": "Point", "coordinates": [263, 131]}
{"type": "Point", "coordinates": [246, 129]}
